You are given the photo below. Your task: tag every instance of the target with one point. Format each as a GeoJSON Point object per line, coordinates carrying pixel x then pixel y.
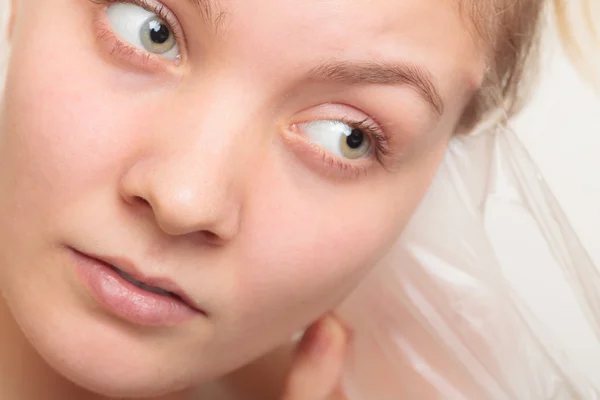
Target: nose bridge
{"type": "Point", "coordinates": [193, 178]}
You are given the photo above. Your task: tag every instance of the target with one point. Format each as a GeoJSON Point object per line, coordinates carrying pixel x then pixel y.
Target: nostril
{"type": "Point", "coordinates": [140, 201]}
{"type": "Point", "coordinates": [211, 237]}
{"type": "Point", "coordinates": [138, 205]}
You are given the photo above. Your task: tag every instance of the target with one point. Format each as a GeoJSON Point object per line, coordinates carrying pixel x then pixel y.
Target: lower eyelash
{"type": "Point", "coordinates": [123, 50]}
{"type": "Point", "coordinates": [318, 158]}
{"type": "Point", "coordinates": [354, 171]}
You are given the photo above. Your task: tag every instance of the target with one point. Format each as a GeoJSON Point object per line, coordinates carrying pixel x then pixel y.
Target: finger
{"type": "Point", "coordinates": [318, 362]}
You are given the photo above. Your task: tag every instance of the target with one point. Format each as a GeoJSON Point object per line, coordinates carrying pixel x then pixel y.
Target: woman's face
{"type": "Point", "coordinates": [255, 157]}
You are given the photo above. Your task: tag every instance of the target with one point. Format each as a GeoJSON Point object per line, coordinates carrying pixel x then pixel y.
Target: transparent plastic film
{"type": "Point", "coordinates": [456, 310]}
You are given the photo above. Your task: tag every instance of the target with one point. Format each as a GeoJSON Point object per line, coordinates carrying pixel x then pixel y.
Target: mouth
{"type": "Point", "coordinates": [161, 286]}
{"type": "Point", "coordinates": [142, 285]}
{"type": "Point", "coordinates": [124, 292]}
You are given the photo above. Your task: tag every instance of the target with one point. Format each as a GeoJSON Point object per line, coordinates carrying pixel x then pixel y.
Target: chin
{"type": "Point", "coordinates": [110, 358]}
{"type": "Point", "coordinates": [122, 384]}
{"type": "Point", "coordinates": [98, 351]}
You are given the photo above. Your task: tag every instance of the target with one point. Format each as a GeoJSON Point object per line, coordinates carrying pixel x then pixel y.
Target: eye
{"type": "Point", "coordinates": [143, 29]}
{"type": "Point", "coordinates": [340, 138]}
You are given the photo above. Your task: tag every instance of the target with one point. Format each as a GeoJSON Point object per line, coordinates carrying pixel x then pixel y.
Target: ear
{"type": "Point", "coordinates": [14, 7]}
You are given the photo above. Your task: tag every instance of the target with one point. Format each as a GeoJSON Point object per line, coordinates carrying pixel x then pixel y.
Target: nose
{"type": "Point", "coordinates": [183, 200]}
{"type": "Point", "coordinates": [187, 186]}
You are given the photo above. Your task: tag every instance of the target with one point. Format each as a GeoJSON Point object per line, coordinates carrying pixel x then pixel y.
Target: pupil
{"type": "Point", "coordinates": [159, 33]}
{"type": "Point", "coordinates": [355, 139]}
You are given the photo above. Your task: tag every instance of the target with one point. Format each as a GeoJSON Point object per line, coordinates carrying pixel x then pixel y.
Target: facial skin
{"type": "Point", "coordinates": [202, 171]}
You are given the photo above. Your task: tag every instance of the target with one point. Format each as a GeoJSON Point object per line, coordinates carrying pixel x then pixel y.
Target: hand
{"type": "Point", "coordinates": [318, 362]}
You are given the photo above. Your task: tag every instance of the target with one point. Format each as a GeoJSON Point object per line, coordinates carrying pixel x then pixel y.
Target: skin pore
{"type": "Point", "coordinates": [216, 166]}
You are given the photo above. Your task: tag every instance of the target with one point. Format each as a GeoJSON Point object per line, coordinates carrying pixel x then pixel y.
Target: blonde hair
{"type": "Point", "coordinates": [581, 41]}
{"type": "Point", "coordinates": [511, 30]}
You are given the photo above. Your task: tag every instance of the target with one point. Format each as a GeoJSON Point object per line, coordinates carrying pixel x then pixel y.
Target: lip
{"type": "Point", "coordinates": [123, 298]}
{"type": "Point", "coordinates": [162, 283]}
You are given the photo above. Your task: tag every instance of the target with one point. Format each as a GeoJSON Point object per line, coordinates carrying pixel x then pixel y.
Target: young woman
{"type": "Point", "coordinates": [188, 183]}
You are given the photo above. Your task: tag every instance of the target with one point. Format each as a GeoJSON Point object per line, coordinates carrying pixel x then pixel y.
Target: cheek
{"type": "Point", "coordinates": [307, 244]}
{"type": "Point", "coordinates": [63, 99]}
{"type": "Point", "coordinates": [84, 128]}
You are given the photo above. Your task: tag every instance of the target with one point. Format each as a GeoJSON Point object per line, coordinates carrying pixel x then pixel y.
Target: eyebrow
{"type": "Point", "coordinates": [211, 12]}
{"type": "Point", "coordinates": [356, 73]}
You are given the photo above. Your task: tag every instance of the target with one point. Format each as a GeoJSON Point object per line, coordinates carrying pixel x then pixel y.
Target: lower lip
{"type": "Point", "coordinates": [124, 299]}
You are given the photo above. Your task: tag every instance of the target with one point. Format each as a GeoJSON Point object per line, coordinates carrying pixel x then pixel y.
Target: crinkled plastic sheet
{"type": "Point", "coordinates": [439, 319]}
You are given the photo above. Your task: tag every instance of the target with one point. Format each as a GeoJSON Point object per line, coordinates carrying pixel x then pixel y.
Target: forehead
{"type": "Point", "coordinates": [426, 31]}
{"type": "Point", "coordinates": [482, 17]}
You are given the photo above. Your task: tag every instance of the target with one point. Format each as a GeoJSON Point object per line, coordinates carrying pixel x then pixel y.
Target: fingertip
{"type": "Point", "coordinates": [325, 335]}
{"type": "Point", "coordinates": [335, 333]}
{"type": "Point", "coordinates": [318, 361]}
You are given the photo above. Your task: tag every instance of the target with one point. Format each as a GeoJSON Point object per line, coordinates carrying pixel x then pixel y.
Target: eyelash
{"type": "Point", "coordinates": [374, 132]}
{"type": "Point", "coordinates": [126, 49]}
{"type": "Point", "coordinates": [353, 168]}
{"type": "Point", "coordinates": [367, 126]}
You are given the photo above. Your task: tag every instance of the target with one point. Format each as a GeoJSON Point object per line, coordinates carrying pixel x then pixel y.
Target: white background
{"type": "Point", "coordinates": [561, 129]}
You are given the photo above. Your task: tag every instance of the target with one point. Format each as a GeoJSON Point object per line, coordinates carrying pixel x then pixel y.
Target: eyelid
{"type": "Point", "coordinates": [331, 164]}
{"type": "Point", "coordinates": [321, 160]}
{"type": "Point", "coordinates": [144, 59]}
{"type": "Point", "coordinates": [351, 116]}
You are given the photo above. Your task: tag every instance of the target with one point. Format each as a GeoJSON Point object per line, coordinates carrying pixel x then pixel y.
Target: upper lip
{"type": "Point", "coordinates": [163, 283]}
